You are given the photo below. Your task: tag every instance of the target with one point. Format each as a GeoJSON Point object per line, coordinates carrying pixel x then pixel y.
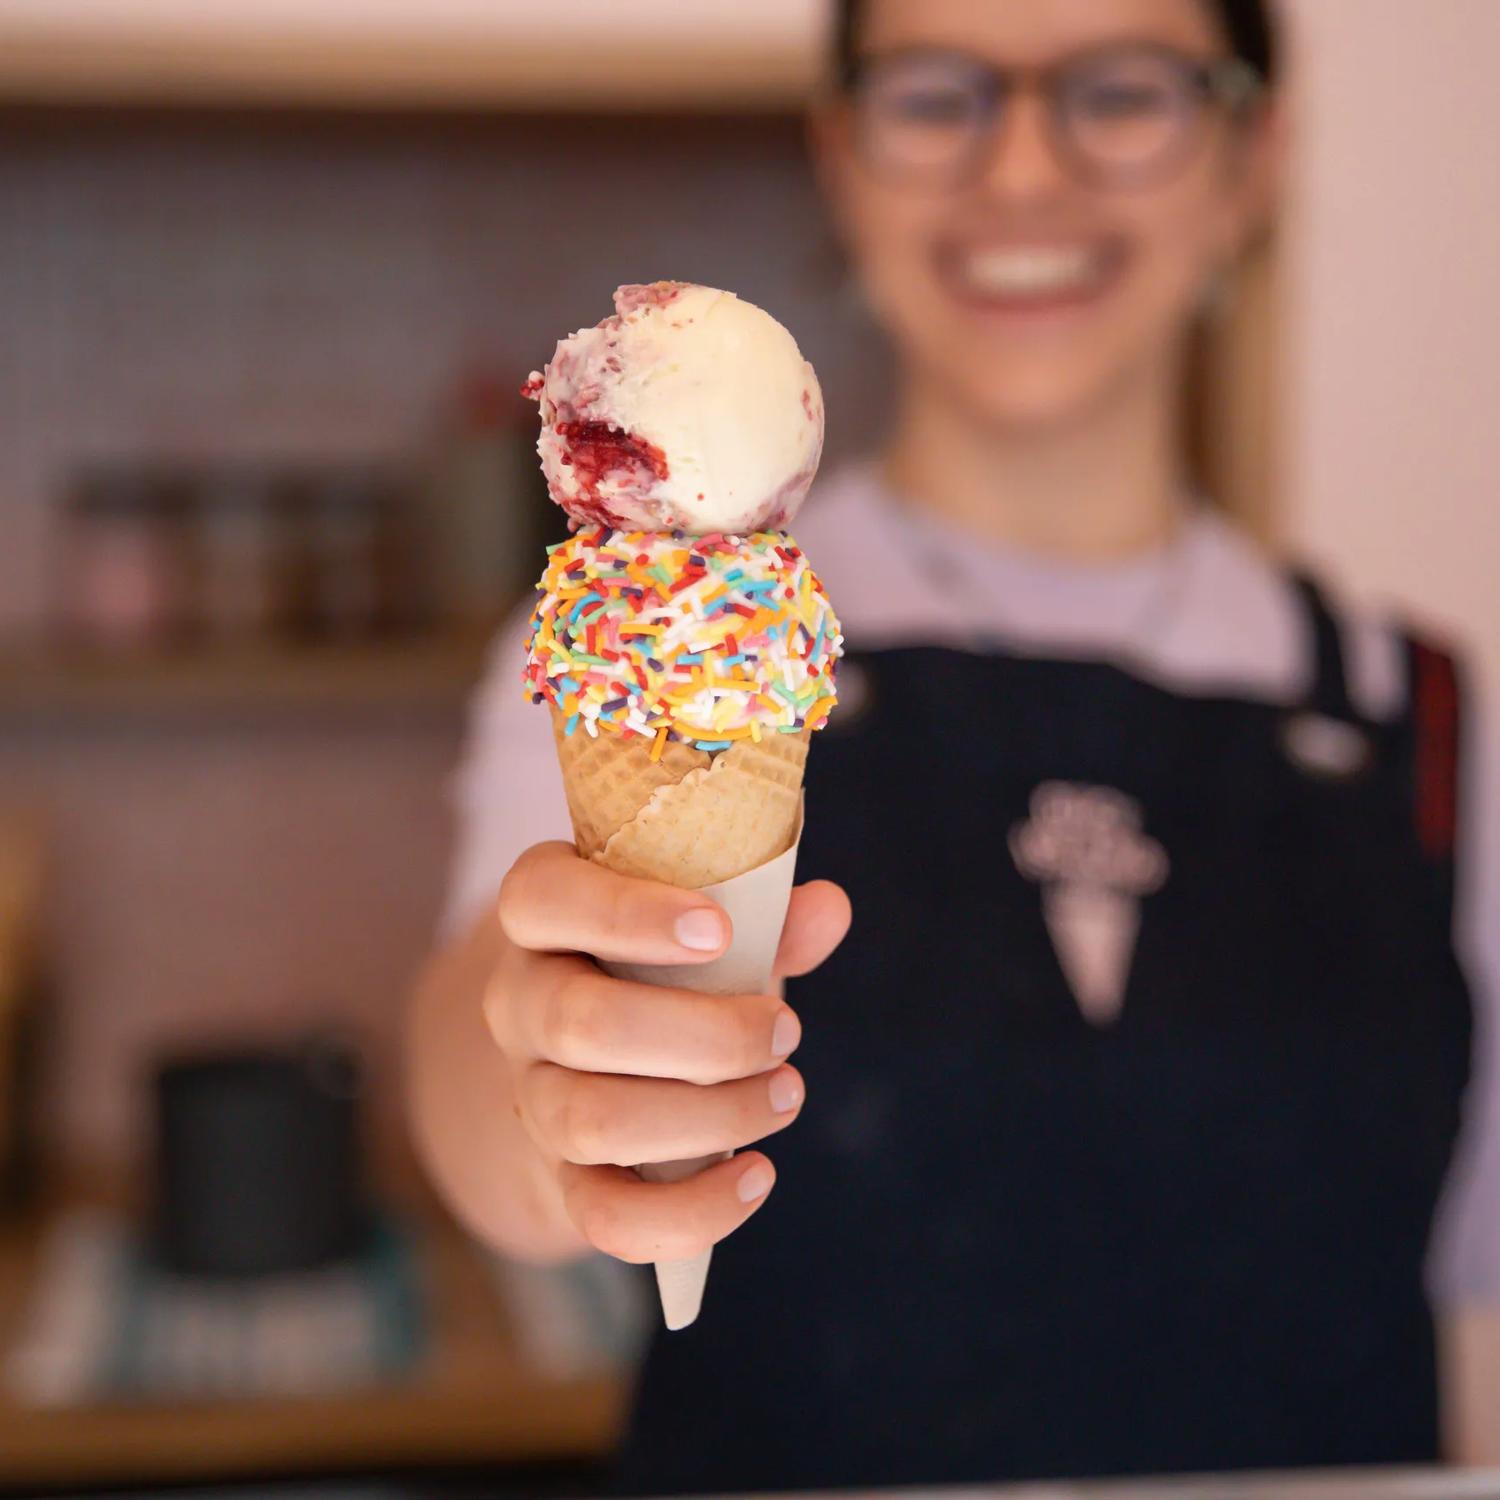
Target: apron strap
{"type": "Point", "coordinates": [1436, 709]}
{"type": "Point", "coordinates": [1330, 683]}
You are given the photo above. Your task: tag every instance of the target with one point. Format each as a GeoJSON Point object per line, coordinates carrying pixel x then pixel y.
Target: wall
{"type": "Point", "coordinates": [239, 879]}
{"type": "Point", "coordinates": [1393, 316]}
{"type": "Point", "coordinates": [311, 288]}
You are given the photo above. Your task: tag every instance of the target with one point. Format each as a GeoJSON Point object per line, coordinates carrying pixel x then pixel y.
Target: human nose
{"type": "Point", "coordinates": [1025, 162]}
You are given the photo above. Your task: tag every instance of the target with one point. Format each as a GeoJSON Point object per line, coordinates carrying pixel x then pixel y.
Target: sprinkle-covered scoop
{"type": "Point", "coordinates": [706, 640]}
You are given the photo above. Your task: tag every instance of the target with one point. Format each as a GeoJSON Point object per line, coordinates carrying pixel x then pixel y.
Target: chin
{"type": "Point", "coordinates": [1032, 400]}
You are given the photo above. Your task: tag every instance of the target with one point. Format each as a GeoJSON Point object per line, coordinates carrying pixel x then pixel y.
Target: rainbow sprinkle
{"type": "Point", "coordinates": [704, 639]}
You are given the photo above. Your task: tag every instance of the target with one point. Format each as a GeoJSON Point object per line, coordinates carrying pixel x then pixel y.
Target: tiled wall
{"type": "Point", "coordinates": [313, 287]}
{"type": "Point", "coordinates": [308, 288]}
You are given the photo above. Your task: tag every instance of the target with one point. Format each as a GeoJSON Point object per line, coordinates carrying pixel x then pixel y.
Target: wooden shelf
{"type": "Point", "coordinates": [447, 56]}
{"type": "Point", "coordinates": [473, 1401]}
{"type": "Point", "coordinates": [425, 675]}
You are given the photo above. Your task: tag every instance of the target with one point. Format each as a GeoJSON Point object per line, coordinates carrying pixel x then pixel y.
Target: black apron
{"type": "Point", "coordinates": [1010, 1242]}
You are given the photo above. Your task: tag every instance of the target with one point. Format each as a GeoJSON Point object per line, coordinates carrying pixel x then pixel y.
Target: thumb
{"type": "Point", "coordinates": [816, 921]}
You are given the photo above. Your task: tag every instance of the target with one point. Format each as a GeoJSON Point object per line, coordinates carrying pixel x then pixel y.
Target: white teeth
{"type": "Point", "coordinates": [1030, 272]}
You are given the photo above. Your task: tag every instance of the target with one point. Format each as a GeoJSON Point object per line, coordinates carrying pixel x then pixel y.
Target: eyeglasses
{"type": "Point", "coordinates": [1121, 116]}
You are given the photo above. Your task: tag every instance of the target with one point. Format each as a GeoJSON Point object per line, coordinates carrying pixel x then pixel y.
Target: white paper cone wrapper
{"type": "Point", "coordinates": [756, 903]}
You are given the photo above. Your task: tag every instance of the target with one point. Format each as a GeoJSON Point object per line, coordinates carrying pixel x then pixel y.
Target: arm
{"type": "Point", "coordinates": [1466, 1269]}
{"type": "Point", "coordinates": [463, 1109]}
{"type": "Point", "coordinates": [506, 795]}
{"type": "Point", "coordinates": [1469, 1346]}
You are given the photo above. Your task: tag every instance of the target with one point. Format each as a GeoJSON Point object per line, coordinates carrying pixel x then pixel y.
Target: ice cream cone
{"type": "Point", "coordinates": [727, 822]}
{"type": "Point", "coordinates": [608, 779]}
{"type": "Point", "coordinates": [689, 818]}
{"type": "Point", "coordinates": [680, 1284]}
{"type": "Point", "coordinates": [682, 641]}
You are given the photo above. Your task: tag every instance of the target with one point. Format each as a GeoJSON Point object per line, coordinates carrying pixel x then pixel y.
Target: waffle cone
{"type": "Point", "coordinates": [690, 818]}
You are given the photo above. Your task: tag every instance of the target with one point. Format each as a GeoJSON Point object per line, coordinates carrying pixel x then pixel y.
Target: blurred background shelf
{"type": "Point", "coordinates": [425, 675]}
{"type": "Point", "coordinates": [447, 54]}
{"type": "Point", "coordinates": [474, 1399]}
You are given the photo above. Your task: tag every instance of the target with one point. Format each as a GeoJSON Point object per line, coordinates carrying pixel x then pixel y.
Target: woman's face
{"type": "Point", "coordinates": [1024, 289]}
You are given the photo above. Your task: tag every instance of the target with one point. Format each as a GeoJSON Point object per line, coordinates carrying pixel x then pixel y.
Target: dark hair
{"type": "Point", "coordinates": [1250, 25]}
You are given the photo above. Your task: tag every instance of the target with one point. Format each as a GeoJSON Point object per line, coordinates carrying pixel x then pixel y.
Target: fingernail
{"type": "Point", "coordinates": [755, 1183]}
{"type": "Point", "coordinates": [786, 1091]}
{"type": "Point", "coordinates": [787, 1034]}
{"type": "Point", "coordinates": [701, 929]}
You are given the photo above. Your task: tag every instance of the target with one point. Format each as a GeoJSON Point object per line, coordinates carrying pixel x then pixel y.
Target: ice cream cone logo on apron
{"type": "Point", "coordinates": [1084, 845]}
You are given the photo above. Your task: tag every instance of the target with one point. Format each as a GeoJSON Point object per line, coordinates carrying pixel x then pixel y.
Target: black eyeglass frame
{"type": "Point", "coordinates": [1231, 83]}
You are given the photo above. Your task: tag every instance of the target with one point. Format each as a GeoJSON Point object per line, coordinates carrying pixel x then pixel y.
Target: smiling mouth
{"type": "Point", "coordinates": [1033, 277]}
